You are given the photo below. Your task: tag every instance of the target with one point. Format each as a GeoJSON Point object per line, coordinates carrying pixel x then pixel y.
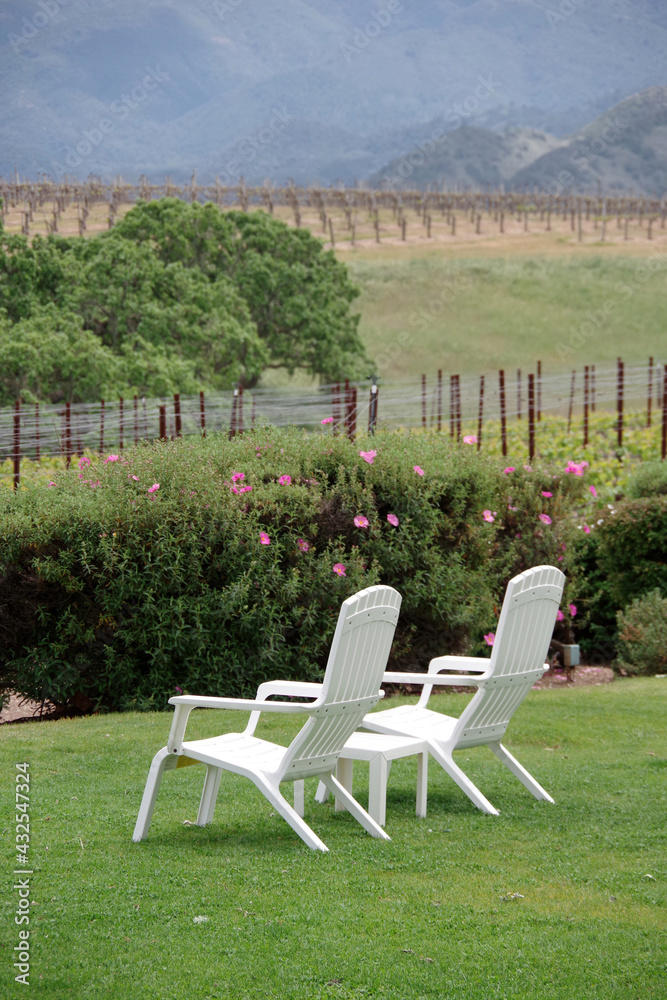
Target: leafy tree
{"type": "Point", "coordinates": [298, 294]}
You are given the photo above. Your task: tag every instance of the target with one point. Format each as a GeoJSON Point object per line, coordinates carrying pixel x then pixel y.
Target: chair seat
{"type": "Point", "coordinates": [411, 720]}
{"type": "Point", "coordinates": [237, 752]}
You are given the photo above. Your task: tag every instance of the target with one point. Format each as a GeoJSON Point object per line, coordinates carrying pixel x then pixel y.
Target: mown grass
{"type": "Point", "coordinates": [427, 915]}
{"type": "Point", "coordinates": [482, 313]}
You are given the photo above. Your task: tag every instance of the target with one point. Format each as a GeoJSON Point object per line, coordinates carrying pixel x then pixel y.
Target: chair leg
{"type": "Point", "coordinates": [322, 793]}
{"type": "Point", "coordinates": [162, 761]}
{"type": "Point", "coordinates": [299, 825]}
{"type": "Point", "coordinates": [209, 795]}
{"type": "Point", "coordinates": [353, 806]}
{"type": "Point", "coordinates": [422, 783]}
{"type": "Point", "coordinates": [344, 774]}
{"type": "Point", "coordinates": [520, 772]}
{"type": "Point", "coordinates": [446, 761]}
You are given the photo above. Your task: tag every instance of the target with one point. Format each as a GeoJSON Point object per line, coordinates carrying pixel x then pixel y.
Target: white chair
{"type": "Point", "coordinates": [517, 660]}
{"type": "Point", "coordinates": [351, 686]}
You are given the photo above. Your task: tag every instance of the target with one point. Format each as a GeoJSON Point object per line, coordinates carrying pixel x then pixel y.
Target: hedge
{"type": "Point", "coordinates": [211, 566]}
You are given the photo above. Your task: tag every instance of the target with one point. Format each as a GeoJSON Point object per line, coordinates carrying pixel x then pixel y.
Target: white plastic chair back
{"type": "Point", "coordinates": [520, 648]}
{"type": "Point", "coordinates": [352, 681]}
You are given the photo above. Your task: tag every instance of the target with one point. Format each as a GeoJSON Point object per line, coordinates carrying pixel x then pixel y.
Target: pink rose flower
{"type": "Point", "coordinates": [592, 491]}
{"type": "Point", "coordinates": [546, 494]}
{"type": "Point", "coordinates": [264, 538]}
{"type": "Point", "coordinates": [368, 456]}
{"type": "Point", "coordinates": [470, 439]}
{"type": "Point", "coordinates": [488, 516]}
{"type": "Point", "coordinates": [573, 609]}
{"type": "Point", "coordinates": [418, 469]}
{"type": "Point", "coordinates": [544, 518]}
{"type": "Point", "coordinates": [339, 568]}
{"type": "Point", "coordinates": [361, 521]}
{"type": "Point", "coordinates": [560, 617]}
{"type": "Point", "coordinates": [510, 468]}
{"type": "Point", "coordinates": [154, 488]}
{"type": "Point", "coordinates": [327, 420]}
{"type": "Point", "coordinates": [303, 544]}
{"type": "Point", "coordinates": [490, 638]}
{"type": "Point", "coordinates": [83, 462]}
{"type": "Point", "coordinates": [393, 520]}
{"type": "Point", "coordinates": [285, 480]}
{"type": "Point", "coordinates": [238, 476]}
{"type": "Point", "coordinates": [111, 458]}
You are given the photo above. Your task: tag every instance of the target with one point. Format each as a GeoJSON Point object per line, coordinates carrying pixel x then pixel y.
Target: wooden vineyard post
{"type": "Point", "coordinates": [518, 394]}
{"type": "Point", "coordinates": [17, 444]}
{"type": "Point", "coordinates": [480, 412]}
{"type": "Point", "coordinates": [202, 414]}
{"type": "Point", "coordinates": [424, 402]}
{"type": "Point", "coordinates": [68, 435]}
{"type": "Point", "coordinates": [136, 420]}
{"type": "Point", "coordinates": [163, 422]}
{"type": "Point", "coordinates": [458, 406]}
{"type": "Point", "coordinates": [177, 415]}
{"type": "Point", "coordinates": [239, 412]}
{"type": "Point", "coordinates": [503, 411]}
{"type": "Point", "coordinates": [439, 424]}
{"type": "Point", "coordinates": [253, 413]}
{"type": "Point", "coordinates": [531, 416]}
{"type": "Point", "coordinates": [649, 398]}
{"type": "Point", "coordinates": [592, 388]}
{"type": "Point", "coordinates": [373, 406]}
{"type": "Point", "coordinates": [232, 423]}
{"type": "Point", "coordinates": [619, 404]}
{"type": "Point", "coordinates": [586, 393]}
{"type": "Point", "coordinates": [663, 449]}
{"type": "Point", "coordinates": [120, 417]}
{"type": "Point", "coordinates": [539, 391]}
{"type": "Point", "coordinates": [452, 404]}
{"type": "Point", "coordinates": [571, 403]}
{"type": "Point", "coordinates": [101, 426]}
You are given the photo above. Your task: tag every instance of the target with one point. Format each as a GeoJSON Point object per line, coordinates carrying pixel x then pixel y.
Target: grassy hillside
{"type": "Point", "coordinates": [506, 311]}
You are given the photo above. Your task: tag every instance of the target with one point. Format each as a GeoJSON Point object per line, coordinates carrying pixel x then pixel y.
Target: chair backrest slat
{"type": "Point", "coordinates": [522, 641]}
{"type": "Point", "coordinates": [357, 660]}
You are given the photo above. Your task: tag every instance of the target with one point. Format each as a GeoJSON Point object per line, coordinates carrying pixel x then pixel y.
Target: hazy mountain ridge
{"type": "Point", "coordinates": [372, 80]}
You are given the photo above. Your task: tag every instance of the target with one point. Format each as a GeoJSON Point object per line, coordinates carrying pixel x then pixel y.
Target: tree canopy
{"type": "Point", "coordinates": [174, 298]}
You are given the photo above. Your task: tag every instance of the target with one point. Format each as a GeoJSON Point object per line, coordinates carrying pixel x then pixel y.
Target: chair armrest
{"type": "Point", "coordinates": [475, 664]}
{"type": "Point", "coordinates": [295, 689]}
{"type": "Point", "coordinates": [437, 680]}
{"type": "Point", "coordinates": [241, 704]}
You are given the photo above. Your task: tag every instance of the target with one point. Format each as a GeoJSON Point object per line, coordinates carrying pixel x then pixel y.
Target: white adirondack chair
{"type": "Point", "coordinates": [351, 686]}
{"type": "Point", "coordinates": [517, 660]}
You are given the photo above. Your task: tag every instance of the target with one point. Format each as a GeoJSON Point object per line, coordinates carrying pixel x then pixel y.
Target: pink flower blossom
{"type": "Point", "coordinates": [592, 491]}
{"type": "Point", "coordinates": [179, 690]}
{"type": "Point", "coordinates": [50, 484]}
{"type": "Point", "coordinates": [83, 462]}
{"type": "Point", "coordinates": [393, 520]}
{"type": "Point", "coordinates": [368, 456]}
{"type": "Point", "coordinates": [303, 544]}
{"type": "Point", "coordinates": [154, 487]}
{"type": "Point", "coordinates": [285, 480]}
{"type": "Point", "coordinates": [510, 468]}
{"type": "Point", "coordinates": [136, 478]}
{"type": "Point", "coordinates": [361, 521]}
{"type": "Point", "coordinates": [528, 468]}
{"type": "Point", "coordinates": [264, 538]}
{"type": "Point", "coordinates": [327, 420]}
{"type": "Point", "coordinates": [470, 439]}
{"type": "Point", "coordinates": [490, 638]}
{"type": "Point", "coordinates": [545, 493]}
{"type": "Point", "coordinates": [243, 489]}
{"type": "Point", "coordinates": [587, 530]}
{"type": "Point", "coordinates": [560, 617]}
{"type": "Point", "coordinates": [238, 476]}
{"type": "Point", "coordinates": [573, 609]}
{"type": "Point", "coordinates": [111, 458]}
{"type": "Point", "coordinates": [577, 468]}
{"type": "Point", "coordinates": [544, 518]}
{"type": "Point", "coordinates": [418, 469]}
{"type": "Point", "coordinates": [488, 516]}
{"type": "Point", "coordinates": [339, 568]}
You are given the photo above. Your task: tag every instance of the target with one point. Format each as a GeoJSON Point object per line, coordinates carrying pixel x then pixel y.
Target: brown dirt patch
{"type": "Point", "coordinates": [583, 677]}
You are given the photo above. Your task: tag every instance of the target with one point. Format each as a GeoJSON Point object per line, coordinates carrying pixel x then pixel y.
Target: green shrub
{"type": "Point", "coordinates": [632, 549]}
{"type": "Point", "coordinates": [642, 635]}
{"type": "Point", "coordinates": [112, 595]}
{"type": "Point", "coordinates": [648, 480]}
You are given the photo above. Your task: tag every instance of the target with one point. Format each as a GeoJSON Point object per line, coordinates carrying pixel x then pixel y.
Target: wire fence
{"type": "Point", "coordinates": [443, 402]}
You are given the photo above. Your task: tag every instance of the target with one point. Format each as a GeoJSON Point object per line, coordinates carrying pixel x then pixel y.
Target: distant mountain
{"type": "Point", "coordinates": [623, 150]}
{"type": "Point", "coordinates": [468, 157]}
{"type": "Point", "coordinates": [313, 89]}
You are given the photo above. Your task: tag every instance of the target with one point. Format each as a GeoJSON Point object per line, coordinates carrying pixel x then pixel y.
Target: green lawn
{"type": "Point", "coordinates": [507, 311]}
{"type": "Point", "coordinates": [427, 915]}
